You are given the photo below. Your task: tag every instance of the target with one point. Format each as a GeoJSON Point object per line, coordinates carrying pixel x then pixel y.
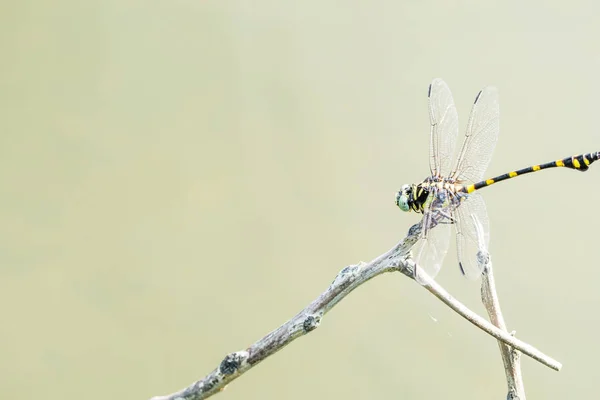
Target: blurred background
{"type": "Point", "coordinates": [179, 178]}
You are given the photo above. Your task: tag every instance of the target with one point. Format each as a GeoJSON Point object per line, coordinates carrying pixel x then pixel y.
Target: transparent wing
{"type": "Point", "coordinates": [483, 256]}
{"type": "Point", "coordinates": [480, 137]}
{"type": "Point", "coordinates": [472, 234]}
{"type": "Point", "coordinates": [432, 246]}
{"type": "Point", "coordinates": [444, 128]}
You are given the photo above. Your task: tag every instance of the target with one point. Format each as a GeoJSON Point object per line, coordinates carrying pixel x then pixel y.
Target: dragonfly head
{"type": "Point", "coordinates": [403, 196]}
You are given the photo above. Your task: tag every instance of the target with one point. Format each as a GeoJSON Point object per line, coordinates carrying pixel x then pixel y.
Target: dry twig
{"type": "Point", "coordinates": [511, 358]}
{"type": "Point", "coordinates": [348, 279]}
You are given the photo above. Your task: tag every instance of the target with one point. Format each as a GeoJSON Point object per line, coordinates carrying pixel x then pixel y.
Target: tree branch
{"type": "Point", "coordinates": [511, 358]}
{"type": "Point", "coordinates": [484, 325]}
{"type": "Point", "coordinates": [348, 279]}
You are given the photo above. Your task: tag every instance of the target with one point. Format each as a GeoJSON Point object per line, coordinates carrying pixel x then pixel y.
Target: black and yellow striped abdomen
{"type": "Point", "coordinates": [580, 163]}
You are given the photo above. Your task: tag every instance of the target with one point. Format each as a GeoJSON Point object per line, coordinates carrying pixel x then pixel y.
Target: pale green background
{"type": "Point", "coordinates": [177, 178]}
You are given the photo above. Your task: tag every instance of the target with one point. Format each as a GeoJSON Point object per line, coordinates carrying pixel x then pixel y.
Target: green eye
{"type": "Point", "coordinates": [403, 203]}
{"type": "Point", "coordinates": [402, 200]}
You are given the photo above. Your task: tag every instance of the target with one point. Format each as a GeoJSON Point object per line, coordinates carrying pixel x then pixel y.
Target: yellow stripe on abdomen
{"type": "Point", "coordinates": [489, 182]}
{"type": "Point", "coordinates": [512, 174]}
{"type": "Point", "coordinates": [535, 168]}
{"type": "Point", "coordinates": [559, 163]}
{"type": "Point", "coordinates": [470, 188]}
{"type": "Point", "coordinates": [576, 163]}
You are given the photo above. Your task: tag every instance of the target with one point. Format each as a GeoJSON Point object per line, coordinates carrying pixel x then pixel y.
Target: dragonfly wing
{"type": "Point", "coordinates": [444, 128]}
{"type": "Point", "coordinates": [472, 235]}
{"type": "Point", "coordinates": [432, 246]}
{"type": "Point", "coordinates": [480, 137]}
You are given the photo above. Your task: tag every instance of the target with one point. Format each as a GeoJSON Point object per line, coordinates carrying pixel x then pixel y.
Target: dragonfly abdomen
{"type": "Point", "coordinates": [580, 162]}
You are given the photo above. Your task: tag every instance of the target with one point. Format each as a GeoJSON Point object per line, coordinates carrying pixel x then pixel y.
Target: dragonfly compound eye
{"type": "Point", "coordinates": [402, 198]}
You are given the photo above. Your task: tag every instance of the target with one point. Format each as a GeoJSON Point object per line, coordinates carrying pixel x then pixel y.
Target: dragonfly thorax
{"type": "Point", "coordinates": [413, 197]}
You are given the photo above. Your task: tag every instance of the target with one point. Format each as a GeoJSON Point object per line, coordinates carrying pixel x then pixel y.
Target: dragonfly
{"type": "Point", "coordinates": [449, 197]}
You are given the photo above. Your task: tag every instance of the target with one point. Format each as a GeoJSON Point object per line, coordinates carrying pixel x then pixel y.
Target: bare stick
{"type": "Point", "coordinates": [307, 320]}
{"type": "Point", "coordinates": [484, 325]}
{"type": "Point", "coordinates": [348, 279]}
{"type": "Point", "coordinates": [511, 358]}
